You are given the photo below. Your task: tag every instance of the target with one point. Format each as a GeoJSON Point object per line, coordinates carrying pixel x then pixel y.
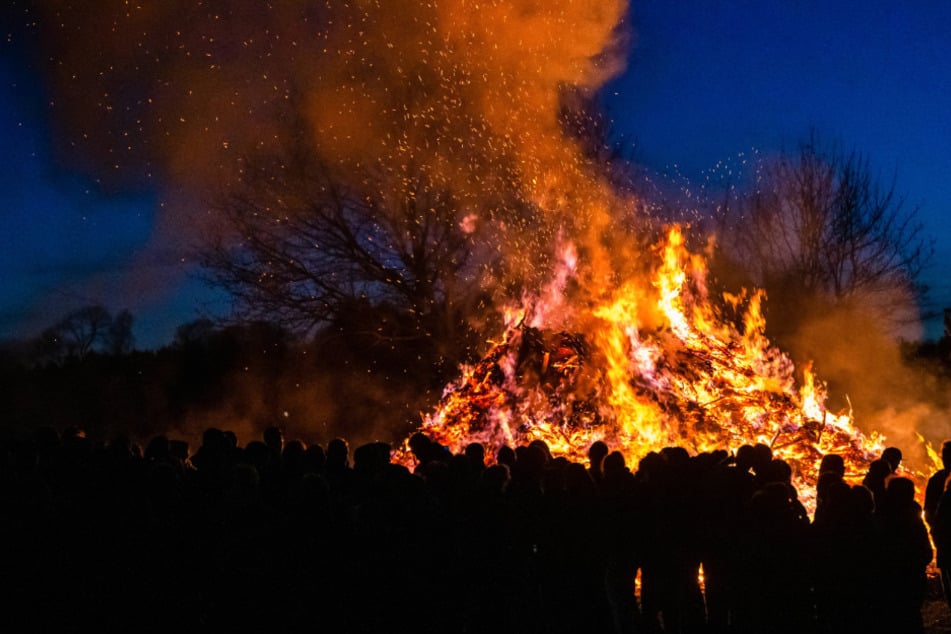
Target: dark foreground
{"type": "Point", "coordinates": [278, 536]}
{"type": "Point", "coordinates": [937, 615]}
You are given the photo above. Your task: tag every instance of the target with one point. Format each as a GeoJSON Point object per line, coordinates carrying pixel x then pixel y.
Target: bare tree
{"type": "Point", "coordinates": [819, 228]}
{"type": "Point", "coordinates": [119, 338]}
{"type": "Point", "coordinates": [84, 330]}
{"type": "Point", "coordinates": [303, 243]}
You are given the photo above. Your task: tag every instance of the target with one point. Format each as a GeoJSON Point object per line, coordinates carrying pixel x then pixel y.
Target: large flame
{"type": "Point", "coordinates": [651, 365]}
{"type": "Point", "coordinates": [470, 98]}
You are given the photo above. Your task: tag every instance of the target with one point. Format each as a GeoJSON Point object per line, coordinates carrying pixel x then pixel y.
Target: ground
{"type": "Point", "coordinates": [937, 615]}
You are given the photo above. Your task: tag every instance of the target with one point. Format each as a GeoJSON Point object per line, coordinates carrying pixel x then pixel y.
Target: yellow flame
{"type": "Point", "coordinates": [699, 378]}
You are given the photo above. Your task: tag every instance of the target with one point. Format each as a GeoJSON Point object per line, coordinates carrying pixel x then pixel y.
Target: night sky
{"type": "Point", "coordinates": [706, 84]}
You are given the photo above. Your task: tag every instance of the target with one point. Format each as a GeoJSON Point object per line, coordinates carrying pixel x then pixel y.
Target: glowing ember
{"type": "Point", "coordinates": [653, 364]}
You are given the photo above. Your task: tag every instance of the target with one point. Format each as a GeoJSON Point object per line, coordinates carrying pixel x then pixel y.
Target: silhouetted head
{"type": "Point", "coordinates": [314, 459]}
{"type": "Point", "coordinates": [157, 449]}
{"type": "Point", "coordinates": [745, 457]}
{"type": "Point", "coordinates": [832, 463]}
{"type": "Point", "coordinates": [293, 455]}
{"type": "Point", "coordinates": [475, 452]}
{"type": "Point", "coordinates": [892, 455]}
{"type": "Point", "coordinates": [830, 488]}
{"type": "Point", "coordinates": [505, 455]}
{"type": "Point", "coordinates": [382, 452]}
{"type": "Point", "coordinates": [762, 456]}
{"type": "Point", "coordinates": [946, 453]}
{"type": "Point", "coordinates": [771, 500]}
{"type": "Point", "coordinates": [860, 501]}
{"type": "Point", "coordinates": [878, 470]}
{"type": "Point", "coordinates": [419, 445]}
{"type": "Point", "coordinates": [543, 447]}
{"type": "Point", "coordinates": [650, 465]}
{"type": "Point", "coordinates": [578, 482]}
{"type": "Point", "coordinates": [779, 471]}
{"type": "Point", "coordinates": [213, 439]}
{"type": "Point", "coordinates": [718, 456]}
{"type": "Point", "coordinates": [178, 449]}
{"type": "Point", "coordinates": [613, 464]}
{"type": "Point", "coordinates": [460, 469]}
{"type": "Point", "coordinates": [364, 458]}
{"type": "Point", "coordinates": [427, 451]}
{"type": "Point", "coordinates": [596, 453]}
{"type": "Point", "coordinates": [901, 492]}
{"type": "Point", "coordinates": [257, 454]}
{"type": "Point", "coordinates": [530, 460]}
{"type": "Point", "coordinates": [676, 457]}
{"type": "Point", "coordinates": [273, 437]}
{"type": "Point", "coordinates": [338, 453]}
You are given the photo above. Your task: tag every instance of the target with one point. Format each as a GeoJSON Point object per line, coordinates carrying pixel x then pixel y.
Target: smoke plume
{"type": "Point", "coordinates": [180, 93]}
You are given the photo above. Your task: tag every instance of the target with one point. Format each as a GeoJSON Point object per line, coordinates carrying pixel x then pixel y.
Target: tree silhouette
{"type": "Point", "coordinates": [120, 339]}
{"type": "Point", "coordinates": [303, 243]}
{"type": "Point", "coordinates": [818, 229]}
{"type": "Point", "coordinates": [84, 329]}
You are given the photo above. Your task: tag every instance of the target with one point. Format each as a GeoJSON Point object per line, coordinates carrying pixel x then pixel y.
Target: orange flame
{"type": "Point", "coordinates": [651, 365]}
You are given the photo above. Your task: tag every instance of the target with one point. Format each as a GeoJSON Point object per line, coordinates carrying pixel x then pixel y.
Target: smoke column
{"type": "Point", "coordinates": [180, 93]}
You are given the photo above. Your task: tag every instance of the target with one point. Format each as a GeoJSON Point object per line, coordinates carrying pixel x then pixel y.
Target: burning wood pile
{"type": "Point", "coordinates": [652, 365]}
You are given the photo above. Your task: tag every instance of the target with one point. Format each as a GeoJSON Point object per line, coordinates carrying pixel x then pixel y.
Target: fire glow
{"type": "Point", "coordinates": [415, 104]}
{"type": "Point", "coordinates": [651, 365]}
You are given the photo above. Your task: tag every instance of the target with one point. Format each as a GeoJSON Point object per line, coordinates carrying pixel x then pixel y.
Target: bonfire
{"type": "Point", "coordinates": [696, 373]}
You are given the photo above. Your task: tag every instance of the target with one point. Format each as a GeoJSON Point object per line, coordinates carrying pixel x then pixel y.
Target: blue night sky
{"type": "Point", "coordinates": [705, 81]}
{"type": "Point", "coordinates": [66, 242]}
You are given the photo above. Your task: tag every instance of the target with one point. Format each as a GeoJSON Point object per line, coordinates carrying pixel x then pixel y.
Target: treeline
{"type": "Point", "coordinates": [351, 379]}
{"type": "Point", "coordinates": [252, 375]}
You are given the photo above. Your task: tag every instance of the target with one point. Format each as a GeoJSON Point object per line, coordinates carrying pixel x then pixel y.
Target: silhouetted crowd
{"type": "Point", "coordinates": [280, 536]}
